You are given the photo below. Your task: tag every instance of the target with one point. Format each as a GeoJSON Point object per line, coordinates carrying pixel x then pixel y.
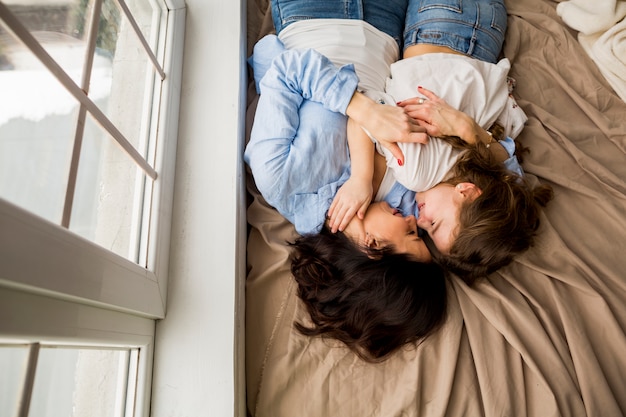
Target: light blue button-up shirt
{"type": "Point", "coordinates": [298, 150]}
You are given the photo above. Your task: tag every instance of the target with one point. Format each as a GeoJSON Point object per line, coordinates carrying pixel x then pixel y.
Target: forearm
{"type": "Point", "coordinates": [472, 133]}
{"type": "Point", "coordinates": [354, 196]}
{"type": "Point", "coordinates": [360, 108]}
{"type": "Point", "coordinates": [292, 78]}
{"type": "Point", "coordinates": [361, 152]}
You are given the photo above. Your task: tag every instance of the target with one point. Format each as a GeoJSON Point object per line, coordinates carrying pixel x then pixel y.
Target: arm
{"type": "Point", "coordinates": [297, 151]}
{"type": "Point", "coordinates": [293, 77]}
{"type": "Point", "coordinates": [440, 119]}
{"type": "Point", "coordinates": [356, 194]}
{"type": "Point", "coordinates": [312, 75]}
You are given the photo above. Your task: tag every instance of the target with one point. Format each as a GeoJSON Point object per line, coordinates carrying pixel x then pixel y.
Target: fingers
{"type": "Point", "coordinates": [361, 213]}
{"type": "Point", "coordinates": [411, 102]}
{"type": "Point", "coordinates": [415, 126]}
{"type": "Point", "coordinates": [417, 134]}
{"type": "Point", "coordinates": [419, 100]}
{"type": "Point", "coordinates": [429, 94]}
{"type": "Point", "coordinates": [421, 137]}
{"type": "Point", "coordinates": [415, 112]}
{"type": "Point", "coordinates": [343, 219]}
{"type": "Point", "coordinates": [339, 215]}
{"type": "Point", "coordinates": [395, 151]}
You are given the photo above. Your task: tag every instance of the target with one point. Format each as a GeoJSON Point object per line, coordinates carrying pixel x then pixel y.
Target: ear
{"type": "Point", "coordinates": [370, 241]}
{"type": "Point", "coordinates": [468, 190]}
{"type": "Point", "coordinates": [371, 244]}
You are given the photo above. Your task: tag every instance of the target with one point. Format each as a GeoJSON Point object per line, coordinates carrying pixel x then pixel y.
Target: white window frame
{"type": "Point", "coordinates": [59, 288]}
{"type": "Point", "coordinates": [39, 256]}
{"type": "Point", "coordinates": [34, 318]}
{"type": "Point", "coordinates": [199, 346]}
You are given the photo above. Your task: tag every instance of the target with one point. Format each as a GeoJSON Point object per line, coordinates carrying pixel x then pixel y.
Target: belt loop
{"type": "Point", "coordinates": [474, 30]}
{"type": "Point", "coordinates": [353, 9]}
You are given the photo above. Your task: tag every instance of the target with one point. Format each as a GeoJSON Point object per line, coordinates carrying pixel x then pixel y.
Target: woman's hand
{"type": "Point", "coordinates": [438, 117]}
{"type": "Point", "coordinates": [353, 197]}
{"type": "Point", "coordinates": [388, 124]}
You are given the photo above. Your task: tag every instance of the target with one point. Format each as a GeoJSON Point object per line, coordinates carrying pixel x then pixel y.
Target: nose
{"type": "Point", "coordinates": [422, 222]}
{"type": "Point", "coordinates": [411, 221]}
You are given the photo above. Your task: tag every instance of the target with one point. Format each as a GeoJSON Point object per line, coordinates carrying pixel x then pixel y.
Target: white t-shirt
{"type": "Point", "coordinates": [477, 88]}
{"type": "Point", "coordinates": [346, 41]}
{"type": "Point", "coordinates": [372, 52]}
{"type": "Point", "coordinates": [472, 86]}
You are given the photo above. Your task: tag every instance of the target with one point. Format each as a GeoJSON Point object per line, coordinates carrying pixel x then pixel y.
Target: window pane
{"type": "Point", "coordinates": [109, 194]}
{"type": "Point", "coordinates": [128, 75]}
{"type": "Point", "coordinates": [80, 382]}
{"type": "Point", "coordinates": [60, 27]}
{"type": "Point", "coordinates": [148, 16]}
{"type": "Point", "coordinates": [37, 127]}
{"type": "Point", "coordinates": [13, 365]}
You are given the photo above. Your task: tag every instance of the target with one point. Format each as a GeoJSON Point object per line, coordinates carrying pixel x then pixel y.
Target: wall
{"type": "Point", "coordinates": [199, 345]}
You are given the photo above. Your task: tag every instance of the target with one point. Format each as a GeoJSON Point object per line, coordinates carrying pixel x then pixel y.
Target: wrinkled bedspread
{"type": "Point", "coordinates": [544, 336]}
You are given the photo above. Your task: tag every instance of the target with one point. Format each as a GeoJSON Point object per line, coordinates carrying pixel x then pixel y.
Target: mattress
{"type": "Point", "coordinates": [543, 336]}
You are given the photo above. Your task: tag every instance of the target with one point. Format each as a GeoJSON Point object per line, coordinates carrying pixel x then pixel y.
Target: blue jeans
{"type": "Point", "coordinates": [472, 27]}
{"type": "Point", "coordinates": [386, 15]}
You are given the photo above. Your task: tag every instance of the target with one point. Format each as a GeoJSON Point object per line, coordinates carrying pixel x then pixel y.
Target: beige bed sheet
{"type": "Point", "coordinates": [545, 336]}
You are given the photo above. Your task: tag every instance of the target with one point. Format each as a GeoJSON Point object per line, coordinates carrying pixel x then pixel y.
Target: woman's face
{"type": "Point", "coordinates": [384, 226]}
{"type": "Point", "coordinates": [439, 209]}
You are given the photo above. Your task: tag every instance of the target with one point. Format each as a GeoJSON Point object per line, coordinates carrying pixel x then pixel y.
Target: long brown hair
{"type": "Point", "coordinates": [375, 303]}
{"type": "Point", "coordinates": [499, 224]}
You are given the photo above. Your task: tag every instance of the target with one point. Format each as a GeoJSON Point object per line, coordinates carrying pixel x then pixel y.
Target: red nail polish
{"type": "Point", "coordinates": [398, 103]}
{"type": "Point", "coordinates": [400, 162]}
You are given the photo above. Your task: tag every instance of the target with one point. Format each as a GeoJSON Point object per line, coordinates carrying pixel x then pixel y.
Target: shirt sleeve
{"type": "Point", "coordinates": [278, 142]}
{"type": "Point", "coordinates": [302, 71]}
{"type": "Point", "coordinates": [512, 164]}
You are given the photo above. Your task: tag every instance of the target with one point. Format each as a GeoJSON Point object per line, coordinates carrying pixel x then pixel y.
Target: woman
{"type": "Point", "coordinates": [355, 287]}
{"type": "Point", "coordinates": [298, 152]}
{"type": "Point", "coordinates": [299, 157]}
{"type": "Point", "coordinates": [468, 38]}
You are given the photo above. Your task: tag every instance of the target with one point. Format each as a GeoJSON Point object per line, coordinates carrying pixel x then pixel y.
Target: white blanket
{"type": "Point", "coordinates": [602, 34]}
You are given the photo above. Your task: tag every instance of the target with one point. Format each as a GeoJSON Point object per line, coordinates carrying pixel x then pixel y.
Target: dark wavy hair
{"type": "Point", "coordinates": [374, 301]}
{"type": "Point", "coordinates": [500, 223]}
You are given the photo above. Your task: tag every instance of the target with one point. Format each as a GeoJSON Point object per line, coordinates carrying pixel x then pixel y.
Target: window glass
{"type": "Point", "coordinates": [109, 194]}
{"type": "Point", "coordinates": [13, 365]}
{"type": "Point", "coordinates": [37, 126]}
{"type": "Point", "coordinates": [61, 29]}
{"type": "Point", "coordinates": [148, 19]}
{"type": "Point", "coordinates": [56, 158]}
{"type": "Point", "coordinates": [80, 382]}
{"type": "Point", "coordinates": [124, 71]}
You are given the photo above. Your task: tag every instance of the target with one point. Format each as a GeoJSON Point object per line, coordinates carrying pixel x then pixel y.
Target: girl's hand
{"type": "Point", "coordinates": [353, 197]}
{"type": "Point", "coordinates": [438, 117]}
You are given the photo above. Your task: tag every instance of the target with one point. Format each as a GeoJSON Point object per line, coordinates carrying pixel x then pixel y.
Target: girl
{"type": "Point", "coordinates": [299, 159]}
{"type": "Point", "coordinates": [437, 37]}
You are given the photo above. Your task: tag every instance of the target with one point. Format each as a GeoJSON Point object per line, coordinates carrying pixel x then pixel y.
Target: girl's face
{"type": "Point", "coordinates": [383, 226]}
{"type": "Point", "coordinates": [439, 209]}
